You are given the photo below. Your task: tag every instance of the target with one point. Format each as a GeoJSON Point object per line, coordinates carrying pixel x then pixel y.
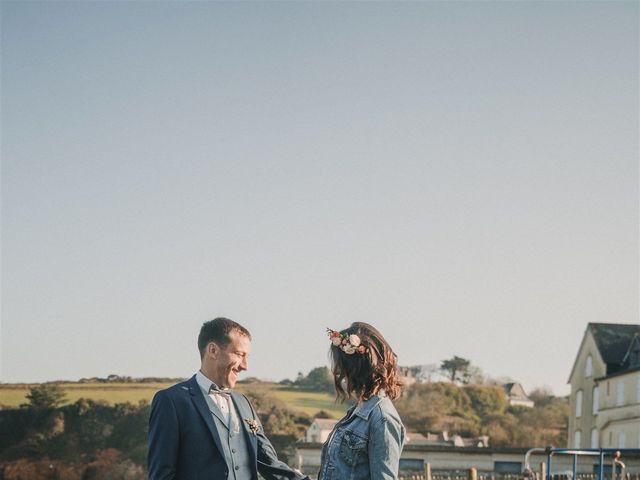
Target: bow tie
{"type": "Point", "coordinates": [215, 389]}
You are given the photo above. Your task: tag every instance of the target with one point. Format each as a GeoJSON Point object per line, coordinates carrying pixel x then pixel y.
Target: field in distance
{"type": "Point", "coordinates": [13, 395]}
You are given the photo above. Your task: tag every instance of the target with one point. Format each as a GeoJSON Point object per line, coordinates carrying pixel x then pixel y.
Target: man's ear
{"type": "Point", "coordinates": [212, 349]}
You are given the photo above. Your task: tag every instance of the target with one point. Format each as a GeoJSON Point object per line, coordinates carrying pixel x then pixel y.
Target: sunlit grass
{"type": "Point", "coordinates": [14, 395]}
{"type": "Point", "coordinates": [310, 403]}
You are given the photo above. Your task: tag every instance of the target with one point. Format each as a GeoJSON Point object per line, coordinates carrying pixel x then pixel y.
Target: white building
{"type": "Point", "coordinates": [517, 396]}
{"type": "Point", "coordinates": [605, 388]}
{"type": "Point", "coordinates": [319, 430]}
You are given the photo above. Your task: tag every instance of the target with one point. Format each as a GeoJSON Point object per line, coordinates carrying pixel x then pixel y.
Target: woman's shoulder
{"type": "Point", "coordinates": [385, 409]}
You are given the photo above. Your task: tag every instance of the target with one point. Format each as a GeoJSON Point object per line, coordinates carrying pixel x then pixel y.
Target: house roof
{"type": "Point", "coordinates": [613, 340]}
{"type": "Point", "coordinates": [443, 438]}
{"type": "Point", "coordinates": [515, 391]}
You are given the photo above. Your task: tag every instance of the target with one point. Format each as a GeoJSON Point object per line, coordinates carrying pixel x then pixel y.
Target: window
{"type": "Point", "coordinates": [635, 355]}
{"type": "Point", "coordinates": [595, 400]}
{"type": "Point", "coordinates": [622, 439]}
{"type": "Point", "coordinates": [638, 393]}
{"type": "Point", "coordinates": [588, 367]}
{"type": "Point", "coordinates": [576, 439]}
{"type": "Point", "coordinates": [578, 403]}
{"type": "Point", "coordinates": [412, 464]}
{"type": "Point", "coordinates": [594, 438]}
{"type": "Point", "coordinates": [620, 393]}
{"type": "Point", "coordinates": [507, 467]}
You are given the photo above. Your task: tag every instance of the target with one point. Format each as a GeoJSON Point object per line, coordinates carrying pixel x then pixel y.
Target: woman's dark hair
{"type": "Point", "coordinates": [217, 331]}
{"type": "Point", "coordinates": [362, 375]}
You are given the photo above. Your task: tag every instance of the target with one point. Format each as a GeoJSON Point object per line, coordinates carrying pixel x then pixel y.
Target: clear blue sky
{"type": "Point", "coordinates": [463, 175]}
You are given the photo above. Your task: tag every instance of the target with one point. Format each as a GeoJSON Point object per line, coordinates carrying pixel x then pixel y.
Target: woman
{"type": "Point", "coordinates": [366, 444]}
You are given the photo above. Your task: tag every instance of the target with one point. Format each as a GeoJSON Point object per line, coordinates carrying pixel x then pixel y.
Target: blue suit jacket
{"type": "Point", "coordinates": [184, 443]}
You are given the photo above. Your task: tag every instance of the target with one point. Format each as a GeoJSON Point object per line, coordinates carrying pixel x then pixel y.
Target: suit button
{"type": "Point", "coordinates": [233, 450]}
{"type": "Point", "coordinates": [237, 467]}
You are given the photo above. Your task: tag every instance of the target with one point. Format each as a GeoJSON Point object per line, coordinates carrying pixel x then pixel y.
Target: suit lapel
{"type": "Point", "coordinates": [201, 406]}
{"type": "Point", "coordinates": [215, 409]}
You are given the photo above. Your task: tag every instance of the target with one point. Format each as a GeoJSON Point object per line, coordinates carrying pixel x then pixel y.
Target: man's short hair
{"type": "Point", "coordinates": [217, 331]}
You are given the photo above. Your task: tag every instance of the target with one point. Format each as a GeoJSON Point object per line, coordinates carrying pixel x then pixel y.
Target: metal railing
{"type": "Point", "coordinates": [613, 455]}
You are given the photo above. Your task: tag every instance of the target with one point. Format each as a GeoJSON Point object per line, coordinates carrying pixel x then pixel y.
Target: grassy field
{"type": "Point", "coordinates": [303, 401]}
{"type": "Point", "coordinates": [112, 393]}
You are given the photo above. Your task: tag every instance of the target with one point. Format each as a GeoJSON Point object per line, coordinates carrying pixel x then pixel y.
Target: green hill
{"type": "Point", "coordinates": [13, 395]}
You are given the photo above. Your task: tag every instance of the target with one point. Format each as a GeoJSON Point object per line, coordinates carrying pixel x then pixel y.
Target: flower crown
{"type": "Point", "coordinates": [349, 344]}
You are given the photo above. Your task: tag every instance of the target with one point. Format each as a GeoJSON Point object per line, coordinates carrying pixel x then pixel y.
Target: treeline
{"type": "Point", "coordinates": [45, 439]}
{"type": "Point", "coordinates": [125, 379]}
{"type": "Point", "coordinates": [83, 440]}
{"type": "Point", "coordinates": [318, 379]}
{"type": "Point", "coordinates": [473, 410]}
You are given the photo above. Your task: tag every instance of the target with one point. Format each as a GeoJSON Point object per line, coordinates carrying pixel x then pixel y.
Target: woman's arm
{"type": "Point", "coordinates": [386, 438]}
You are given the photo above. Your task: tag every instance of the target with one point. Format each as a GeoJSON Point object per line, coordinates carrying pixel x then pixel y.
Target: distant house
{"type": "Point", "coordinates": [516, 395]}
{"type": "Point", "coordinates": [319, 430]}
{"type": "Point", "coordinates": [445, 440]}
{"type": "Point", "coordinates": [407, 376]}
{"type": "Point", "coordinates": [605, 388]}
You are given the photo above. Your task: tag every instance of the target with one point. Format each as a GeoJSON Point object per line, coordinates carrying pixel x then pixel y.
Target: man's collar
{"type": "Point", "coordinates": [204, 382]}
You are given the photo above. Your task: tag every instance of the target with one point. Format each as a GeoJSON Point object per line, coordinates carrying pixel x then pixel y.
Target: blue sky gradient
{"type": "Point", "coordinates": [463, 175]}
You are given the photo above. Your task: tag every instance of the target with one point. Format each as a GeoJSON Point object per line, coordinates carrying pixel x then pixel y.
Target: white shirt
{"type": "Point", "coordinates": [222, 401]}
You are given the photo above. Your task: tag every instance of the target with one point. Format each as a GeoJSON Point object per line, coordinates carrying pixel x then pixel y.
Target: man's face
{"type": "Point", "coordinates": [231, 360]}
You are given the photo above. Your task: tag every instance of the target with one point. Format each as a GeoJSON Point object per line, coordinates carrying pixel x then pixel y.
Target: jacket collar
{"type": "Point", "coordinates": [363, 410]}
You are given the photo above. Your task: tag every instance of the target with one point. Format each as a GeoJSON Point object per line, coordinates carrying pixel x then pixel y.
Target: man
{"type": "Point", "coordinates": [200, 429]}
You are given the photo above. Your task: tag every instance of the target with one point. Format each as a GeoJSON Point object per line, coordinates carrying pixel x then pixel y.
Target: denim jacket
{"type": "Point", "coordinates": [366, 444]}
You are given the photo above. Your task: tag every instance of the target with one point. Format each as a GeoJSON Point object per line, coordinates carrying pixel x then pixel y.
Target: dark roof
{"type": "Point", "coordinates": [613, 341]}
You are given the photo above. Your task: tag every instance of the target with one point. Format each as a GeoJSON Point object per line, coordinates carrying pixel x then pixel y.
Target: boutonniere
{"type": "Point", "coordinates": [253, 425]}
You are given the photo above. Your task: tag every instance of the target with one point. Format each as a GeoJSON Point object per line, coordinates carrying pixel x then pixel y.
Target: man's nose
{"type": "Point", "coordinates": [244, 364]}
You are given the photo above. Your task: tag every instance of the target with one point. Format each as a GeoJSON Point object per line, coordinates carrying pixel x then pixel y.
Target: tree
{"type": "Point", "coordinates": [318, 379]}
{"type": "Point", "coordinates": [46, 396]}
{"type": "Point", "coordinates": [428, 407]}
{"type": "Point", "coordinates": [456, 369]}
{"type": "Point", "coordinates": [487, 399]}
{"type": "Point", "coordinates": [542, 396]}
{"type": "Point", "coordinates": [477, 376]}
{"type": "Point", "coordinates": [425, 373]}
{"type": "Point", "coordinates": [323, 414]}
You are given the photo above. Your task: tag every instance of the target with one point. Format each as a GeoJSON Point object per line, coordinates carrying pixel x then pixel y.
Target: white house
{"type": "Point", "coordinates": [516, 395]}
{"type": "Point", "coordinates": [605, 388]}
{"type": "Point", "coordinates": [319, 430]}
